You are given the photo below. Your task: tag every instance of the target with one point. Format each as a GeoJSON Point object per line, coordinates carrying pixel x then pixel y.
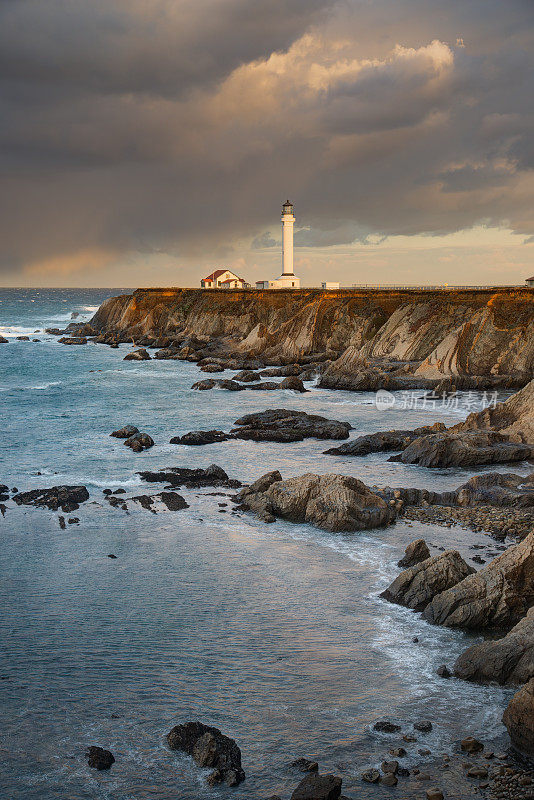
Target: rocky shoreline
{"type": "Point", "coordinates": [361, 347]}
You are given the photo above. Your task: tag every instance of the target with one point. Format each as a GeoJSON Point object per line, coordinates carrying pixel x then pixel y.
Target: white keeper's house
{"type": "Point", "coordinates": [223, 279]}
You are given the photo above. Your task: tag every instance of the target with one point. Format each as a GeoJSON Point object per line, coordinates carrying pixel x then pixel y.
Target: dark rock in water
{"type": "Point", "coordinates": [144, 500]}
{"type": "Point", "coordinates": [112, 555]}
{"type": "Point", "coordinates": [139, 442]}
{"type": "Point", "coordinates": [74, 315]}
{"type": "Point", "coordinates": [330, 502]}
{"type": "Point", "coordinates": [125, 432]}
{"type": "Point", "coordinates": [137, 355]}
{"type": "Point", "coordinates": [506, 660]}
{"type": "Point", "coordinates": [390, 766]}
{"type": "Point", "coordinates": [498, 595]}
{"type": "Point", "coordinates": [278, 421]}
{"type": "Point", "coordinates": [73, 520]}
{"type": "Point", "coordinates": [263, 386]}
{"type": "Point", "coordinates": [98, 758]}
{"type": "Point", "coordinates": [385, 726]}
{"type": "Point", "coordinates": [61, 521]}
{"type": "Point", "coordinates": [107, 491]}
{"type": "Point", "coordinates": [305, 765]}
{"type": "Point", "coordinates": [471, 745]}
{"type": "Point", "coordinates": [416, 586]}
{"type": "Point", "coordinates": [212, 368]}
{"type": "Point", "coordinates": [383, 441]}
{"type": "Point", "coordinates": [318, 787]}
{"type": "Point", "coordinates": [389, 779]}
{"type": "Point", "coordinates": [293, 383]}
{"type": "Point", "coordinates": [22, 338]}
{"type": "Point", "coordinates": [191, 478]}
{"type": "Point", "coordinates": [217, 383]}
{"type": "Point", "coordinates": [416, 552]}
{"type": "Point", "coordinates": [519, 719]}
{"type": "Point", "coordinates": [246, 376]}
{"type": "Point", "coordinates": [3, 340]}
{"type": "Point", "coordinates": [65, 497]}
{"type": "Point", "coordinates": [209, 748]}
{"type": "Point", "coordinates": [73, 340]}
{"type": "Point", "coordinates": [371, 776]}
{"type": "Point", "coordinates": [444, 671]}
{"type": "Point", "coordinates": [463, 450]}
{"type": "Point", "coordinates": [200, 437]}
{"type": "Point", "coordinates": [119, 491]}
{"type": "Point", "coordinates": [173, 501]}
{"type": "Point", "coordinates": [4, 492]}
{"type": "Point", "coordinates": [423, 726]}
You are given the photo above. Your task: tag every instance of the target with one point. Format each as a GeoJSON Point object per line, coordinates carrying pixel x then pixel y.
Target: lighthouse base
{"type": "Point", "coordinates": [283, 282]}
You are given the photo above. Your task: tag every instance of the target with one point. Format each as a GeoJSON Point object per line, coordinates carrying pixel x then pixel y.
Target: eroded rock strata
{"type": "Point", "coordinates": [388, 339]}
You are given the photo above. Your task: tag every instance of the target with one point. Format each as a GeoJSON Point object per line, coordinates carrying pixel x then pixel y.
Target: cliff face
{"type": "Point", "coordinates": [440, 334]}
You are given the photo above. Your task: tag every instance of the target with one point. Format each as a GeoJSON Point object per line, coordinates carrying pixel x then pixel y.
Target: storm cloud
{"type": "Point", "coordinates": [171, 127]}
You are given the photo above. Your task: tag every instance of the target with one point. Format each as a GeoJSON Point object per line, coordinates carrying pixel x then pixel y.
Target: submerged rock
{"type": "Point", "coordinates": [463, 450]}
{"type": "Point", "coordinates": [498, 595]}
{"type": "Point", "coordinates": [330, 502]}
{"type": "Point", "coordinates": [506, 660]}
{"type": "Point", "coordinates": [519, 719]}
{"type": "Point", "coordinates": [216, 383]}
{"type": "Point", "coordinates": [416, 586]}
{"type": "Point", "coordinates": [209, 748]}
{"type": "Point", "coordinates": [67, 498]}
{"type": "Point", "coordinates": [98, 758]}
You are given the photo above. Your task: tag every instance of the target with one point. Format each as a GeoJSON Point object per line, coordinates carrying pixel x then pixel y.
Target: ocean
{"type": "Point", "coordinates": [275, 634]}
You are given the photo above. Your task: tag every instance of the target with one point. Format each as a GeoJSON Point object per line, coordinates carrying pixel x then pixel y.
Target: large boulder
{"type": "Point", "coordinates": [416, 552]}
{"type": "Point", "coordinates": [383, 441]}
{"type": "Point", "coordinates": [519, 719]}
{"type": "Point", "coordinates": [416, 586]}
{"type": "Point", "coordinates": [318, 787]}
{"type": "Point", "coordinates": [330, 502]}
{"type": "Point", "coordinates": [514, 417]}
{"type": "Point", "coordinates": [209, 748]}
{"type": "Point", "coordinates": [463, 450]}
{"type": "Point", "coordinates": [217, 383]}
{"type": "Point", "coordinates": [278, 422]}
{"type": "Point", "coordinates": [67, 498]}
{"type": "Point", "coordinates": [506, 660]}
{"type": "Point", "coordinates": [498, 595]}
{"type": "Point", "coordinates": [294, 383]}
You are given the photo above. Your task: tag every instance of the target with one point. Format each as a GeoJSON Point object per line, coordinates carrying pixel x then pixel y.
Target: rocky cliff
{"type": "Point", "coordinates": [387, 337]}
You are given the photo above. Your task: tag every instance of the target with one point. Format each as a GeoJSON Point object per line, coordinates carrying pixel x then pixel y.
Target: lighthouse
{"type": "Point", "coordinates": [288, 279]}
{"type": "Point", "coordinates": [288, 220]}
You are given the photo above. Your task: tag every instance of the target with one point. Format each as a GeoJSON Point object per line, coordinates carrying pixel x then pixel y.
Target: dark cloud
{"type": "Point", "coordinates": [172, 127]}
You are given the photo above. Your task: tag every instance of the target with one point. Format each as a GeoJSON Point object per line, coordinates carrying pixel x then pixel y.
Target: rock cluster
{"type": "Point", "coordinates": [209, 748]}
{"type": "Point", "coordinates": [330, 502]}
{"type": "Point", "coordinates": [68, 498]}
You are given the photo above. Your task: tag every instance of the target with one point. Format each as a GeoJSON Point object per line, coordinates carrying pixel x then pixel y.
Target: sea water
{"type": "Point", "coordinates": [275, 634]}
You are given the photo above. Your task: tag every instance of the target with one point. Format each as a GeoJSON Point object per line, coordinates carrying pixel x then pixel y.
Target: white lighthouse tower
{"type": "Point", "coordinates": [288, 279]}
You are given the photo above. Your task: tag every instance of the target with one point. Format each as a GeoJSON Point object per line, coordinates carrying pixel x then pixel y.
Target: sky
{"type": "Point", "coordinates": [148, 142]}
